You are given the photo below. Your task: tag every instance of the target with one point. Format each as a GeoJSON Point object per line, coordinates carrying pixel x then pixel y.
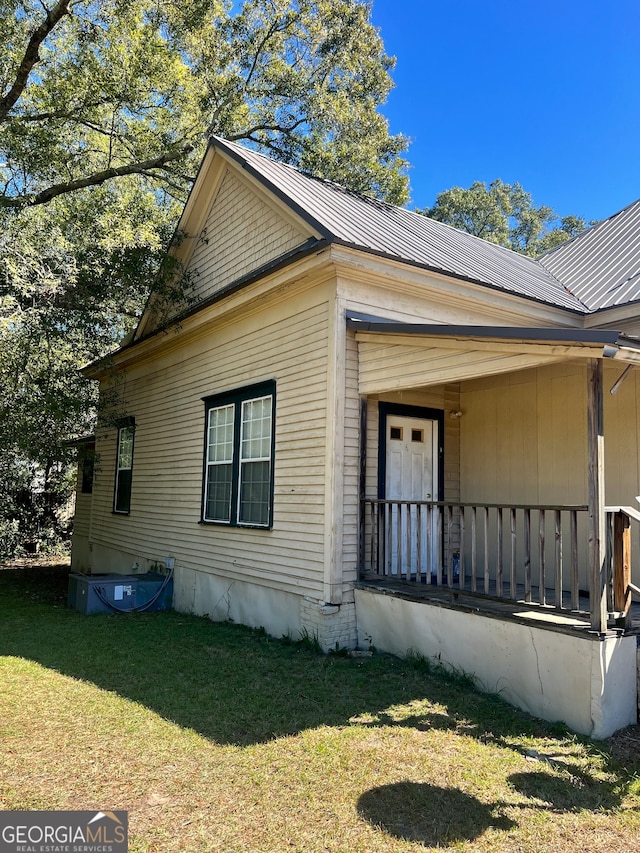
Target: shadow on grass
{"type": "Point", "coordinates": [428, 814]}
{"type": "Point", "coordinates": [438, 817]}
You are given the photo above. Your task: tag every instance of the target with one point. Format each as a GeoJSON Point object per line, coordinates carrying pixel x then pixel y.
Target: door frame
{"type": "Point", "coordinates": [386, 410]}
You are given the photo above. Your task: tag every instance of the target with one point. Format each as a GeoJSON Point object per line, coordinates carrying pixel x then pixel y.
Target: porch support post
{"type": "Point", "coordinates": [597, 538]}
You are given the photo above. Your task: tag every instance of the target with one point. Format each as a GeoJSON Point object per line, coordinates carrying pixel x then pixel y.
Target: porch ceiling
{"type": "Point", "coordinates": [407, 356]}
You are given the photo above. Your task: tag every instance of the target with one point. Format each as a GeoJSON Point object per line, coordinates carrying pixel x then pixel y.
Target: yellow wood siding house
{"type": "Point", "coordinates": [371, 428]}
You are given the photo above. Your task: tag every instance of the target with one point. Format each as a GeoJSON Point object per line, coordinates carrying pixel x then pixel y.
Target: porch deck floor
{"type": "Point", "coordinates": [491, 605]}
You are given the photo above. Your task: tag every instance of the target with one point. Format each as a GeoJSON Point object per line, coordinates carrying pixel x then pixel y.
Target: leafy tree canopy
{"type": "Point", "coordinates": [105, 109]}
{"type": "Point", "coordinates": [96, 89]}
{"type": "Point", "coordinates": [504, 214]}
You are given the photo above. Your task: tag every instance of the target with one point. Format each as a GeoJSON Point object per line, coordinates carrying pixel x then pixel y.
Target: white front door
{"type": "Point", "coordinates": [412, 475]}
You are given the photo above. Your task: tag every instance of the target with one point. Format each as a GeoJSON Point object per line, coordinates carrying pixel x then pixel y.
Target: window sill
{"type": "Point", "coordinates": [205, 522]}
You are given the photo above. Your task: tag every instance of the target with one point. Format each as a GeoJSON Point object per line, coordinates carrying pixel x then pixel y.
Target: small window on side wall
{"type": "Point", "coordinates": [238, 463]}
{"type": "Point", "coordinates": [86, 461]}
{"type": "Point", "coordinates": [124, 468]}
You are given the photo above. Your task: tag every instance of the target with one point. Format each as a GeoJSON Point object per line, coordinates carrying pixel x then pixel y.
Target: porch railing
{"type": "Point", "coordinates": [535, 554]}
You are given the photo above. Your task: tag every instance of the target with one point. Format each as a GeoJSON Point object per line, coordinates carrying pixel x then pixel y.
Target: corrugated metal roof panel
{"type": "Point", "coordinates": [374, 226]}
{"type": "Point", "coordinates": [601, 266]}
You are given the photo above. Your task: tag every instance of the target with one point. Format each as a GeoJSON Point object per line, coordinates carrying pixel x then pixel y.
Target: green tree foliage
{"type": "Point", "coordinates": [91, 91]}
{"type": "Point", "coordinates": [105, 109]}
{"type": "Point", "coordinates": [504, 214]}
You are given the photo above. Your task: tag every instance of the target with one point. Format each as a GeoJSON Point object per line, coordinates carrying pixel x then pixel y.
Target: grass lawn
{"type": "Point", "coordinates": [218, 738]}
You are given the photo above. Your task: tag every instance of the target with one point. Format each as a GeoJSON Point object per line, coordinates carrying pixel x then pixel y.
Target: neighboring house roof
{"type": "Point", "coordinates": [601, 266]}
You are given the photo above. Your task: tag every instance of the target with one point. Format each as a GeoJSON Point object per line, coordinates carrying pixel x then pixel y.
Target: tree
{"type": "Point", "coordinates": [92, 91]}
{"type": "Point", "coordinates": [105, 108]}
{"type": "Point", "coordinates": [504, 214]}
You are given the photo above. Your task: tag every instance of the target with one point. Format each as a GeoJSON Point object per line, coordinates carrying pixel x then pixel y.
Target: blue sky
{"type": "Point", "coordinates": [545, 93]}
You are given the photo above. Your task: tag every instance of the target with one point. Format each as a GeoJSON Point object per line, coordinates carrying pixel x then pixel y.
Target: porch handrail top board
{"type": "Point", "coordinates": [631, 511]}
{"type": "Point", "coordinates": [471, 504]}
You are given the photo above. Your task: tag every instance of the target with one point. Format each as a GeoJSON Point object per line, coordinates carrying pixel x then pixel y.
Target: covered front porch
{"type": "Point", "coordinates": [516, 522]}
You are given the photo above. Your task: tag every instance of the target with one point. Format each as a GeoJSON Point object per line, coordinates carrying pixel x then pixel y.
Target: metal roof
{"type": "Point", "coordinates": [601, 266]}
{"type": "Point", "coordinates": [368, 224]}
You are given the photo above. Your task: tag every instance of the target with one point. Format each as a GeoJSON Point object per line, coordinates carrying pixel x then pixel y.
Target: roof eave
{"type": "Point", "coordinates": [590, 337]}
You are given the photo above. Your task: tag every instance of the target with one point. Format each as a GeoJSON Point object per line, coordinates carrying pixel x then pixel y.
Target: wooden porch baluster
{"type": "Point", "coordinates": [449, 546]}
{"type": "Point", "coordinates": [487, 577]}
{"type": "Point", "coordinates": [399, 548]}
{"type": "Point", "coordinates": [461, 581]}
{"type": "Point", "coordinates": [499, 561]}
{"type": "Point", "coordinates": [542, 582]}
{"type": "Point", "coordinates": [558, 560]}
{"type": "Point", "coordinates": [527, 554]}
{"type": "Point", "coordinates": [474, 550]}
{"type": "Point", "coordinates": [419, 544]}
{"type": "Point", "coordinates": [438, 511]}
{"type": "Point", "coordinates": [513, 572]}
{"type": "Point", "coordinates": [575, 584]}
{"type": "Point", "coordinates": [388, 551]}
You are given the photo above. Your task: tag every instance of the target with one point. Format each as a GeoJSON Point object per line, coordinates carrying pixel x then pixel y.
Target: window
{"type": "Point", "coordinates": [238, 465]}
{"type": "Point", "coordinates": [124, 468]}
{"type": "Point", "coordinates": [87, 459]}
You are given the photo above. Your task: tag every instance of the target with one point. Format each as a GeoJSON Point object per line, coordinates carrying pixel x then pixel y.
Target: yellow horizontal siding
{"type": "Point", "coordinates": [165, 399]}
{"type": "Point", "coordinates": [386, 367]}
{"type": "Point", "coordinates": [82, 515]}
{"type": "Point", "coordinates": [241, 234]}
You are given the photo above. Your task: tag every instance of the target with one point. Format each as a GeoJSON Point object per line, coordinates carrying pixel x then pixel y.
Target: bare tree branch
{"type": "Point", "coordinates": [94, 180]}
{"type": "Point", "coordinates": [277, 128]}
{"type": "Point", "coordinates": [31, 56]}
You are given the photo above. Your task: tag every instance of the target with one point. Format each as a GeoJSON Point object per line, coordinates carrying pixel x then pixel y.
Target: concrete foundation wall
{"type": "Point", "coordinates": [223, 599]}
{"type": "Point", "coordinates": [280, 613]}
{"type": "Point", "coordinates": [585, 682]}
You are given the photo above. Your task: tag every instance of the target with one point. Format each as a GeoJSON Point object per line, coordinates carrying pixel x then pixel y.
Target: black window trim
{"type": "Point", "coordinates": [128, 423]}
{"type": "Point", "coordinates": [237, 397]}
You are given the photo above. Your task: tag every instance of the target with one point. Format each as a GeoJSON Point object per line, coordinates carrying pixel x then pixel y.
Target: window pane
{"type": "Point", "coordinates": [220, 436]}
{"type": "Point", "coordinates": [218, 494]}
{"type": "Point", "coordinates": [256, 429]}
{"type": "Point", "coordinates": [123, 491]}
{"type": "Point", "coordinates": [125, 447]}
{"type": "Point", "coordinates": [87, 463]}
{"type": "Point", "coordinates": [255, 488]}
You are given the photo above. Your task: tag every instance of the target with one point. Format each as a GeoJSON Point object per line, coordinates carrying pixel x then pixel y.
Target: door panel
{"type": "Point", "coordinates": [411, 474]}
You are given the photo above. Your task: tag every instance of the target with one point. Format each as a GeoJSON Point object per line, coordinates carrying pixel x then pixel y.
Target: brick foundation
{"type": "Point", "coordinates": [332, 625]}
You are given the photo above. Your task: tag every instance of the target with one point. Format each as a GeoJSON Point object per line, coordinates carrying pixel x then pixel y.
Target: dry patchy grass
{"type": "Point", "coordinates": [217, 738]}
